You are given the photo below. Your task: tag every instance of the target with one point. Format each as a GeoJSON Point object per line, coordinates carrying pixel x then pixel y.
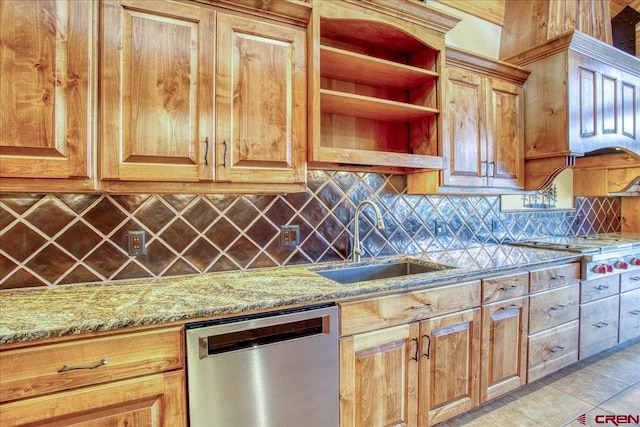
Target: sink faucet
{"type": "Point", "coordinates": [355, 256]}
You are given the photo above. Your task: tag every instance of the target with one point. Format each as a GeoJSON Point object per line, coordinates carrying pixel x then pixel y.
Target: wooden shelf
{"type": "Point", "coordinates": [357, 68]}
{"type": "Point", "coordinates": [366, 107]}
{"type": "Point", "coordinates": [383, 158]}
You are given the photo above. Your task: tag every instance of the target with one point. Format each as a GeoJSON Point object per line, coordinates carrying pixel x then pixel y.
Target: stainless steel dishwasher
{"type": "Point", "coordinates": [273, 370]}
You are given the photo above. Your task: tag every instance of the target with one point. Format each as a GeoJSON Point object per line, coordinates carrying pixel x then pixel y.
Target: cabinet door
{"type": "Point", "coordinates": [260, 101]}
{"type": "Point", "coordinates": [449, 366]}
{"type": "Point", "coordinates": [465, 134]}
{"type": "Point", "coordinates": [505, 138]}
{"type": "Point", "coordinates": [46, 91]}
{"type": "Point", "coordinates": [379, 377]}
{"type": "Point", "coordinates": [504, 347]}
{"type": "Point", "coordinates": [629, 315]}
{"type": "Point", "coordinates": [156, 84]}
{"type": "Point", "coordinates": [157, 400]}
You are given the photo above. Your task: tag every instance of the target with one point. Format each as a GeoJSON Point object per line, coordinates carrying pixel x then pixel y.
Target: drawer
{"type": "Point", "coordinates": [555, 307]}
{"type": "Point", "coordinates": [552, 349]}
{"type": "Point", "coordinates": [630, 280]}
{"type": "Point", "coordinates": [595, 289]}
{"type": "Point", "coordinates": [502, 288]}
{"type": "Point", "coordinates": [38, 370]}
{"type": "Point", "coordinates": [554, 277]}
{"type": "Point", "coordinates": [598, 326]}
{"type": "Point", "coordinates": [381, 312]}
{"type": "Point", "coordinates": [629, 315]}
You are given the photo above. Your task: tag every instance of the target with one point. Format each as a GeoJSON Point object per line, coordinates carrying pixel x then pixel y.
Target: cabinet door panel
{"type": "Point", "coordinates": [449, 365]}
{"type": "Point", "coordinates": [506, 135]}
{"type": "Point", "coordinates": [46, 47]}
{"type": "Point", "coordinates": [261, 103]}
{"type": "Point", "coordinates": [155, 400]}
{"type": "Point", "coordinates": [157, 94]}
{"type": "Point", "coordinates": [379, 377]}
{"type": "Point", "coordinates": [466, 131]}
{"type": "Point", "coordinates": [504, 347]}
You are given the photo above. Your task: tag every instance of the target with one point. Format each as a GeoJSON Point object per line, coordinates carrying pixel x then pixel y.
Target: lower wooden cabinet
{"type": "Point", "coordinates": [150, 401]}
{"type": "Point", "coordinates": [133, 379]}
{"type": "Point", "coordinates": [552, 349]}
{"type": "Point", "coordinates": [629, 315]}
{"type": "Point", "coordinates": [379, 377]}
{"type": "Point", "coordinates": [504, 347]}
{"type": "Point", "coordinates": [598, 325]}
{"type": "Point", "coordinates": [449, 366]}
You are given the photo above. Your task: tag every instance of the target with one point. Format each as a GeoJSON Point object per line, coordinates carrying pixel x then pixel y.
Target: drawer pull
{"type": "Point", "coordinates": [421, 307]}
{"type": "Point", "coordinates": [635, 279]}
{"type": "Point", "coordinates": [635, 312]}
{"type": "Point", "coordinates": [507, 288]}
{"type": "Point", "coordinates": [600, 288]}
{"type": "Point", "coordinates": [560, 277]}
{"type": "Point", "coordinates": [556, 349]}
{"type": "Point", "coordinates": [558, 307]}
{"type": "Point", "coordinates": [510, 307]}
{"type": "Point", "coordinates": [66, 368]}
{"type": "Point", "coordinates": [601, 325]}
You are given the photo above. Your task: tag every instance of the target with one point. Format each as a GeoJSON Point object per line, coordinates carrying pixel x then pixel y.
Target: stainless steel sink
{"type": "Point", "coordinates": [362, 273]}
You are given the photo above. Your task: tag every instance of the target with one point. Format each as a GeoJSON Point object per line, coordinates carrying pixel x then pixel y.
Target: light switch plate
{"type": "Point", "coordinates": [289, 235]}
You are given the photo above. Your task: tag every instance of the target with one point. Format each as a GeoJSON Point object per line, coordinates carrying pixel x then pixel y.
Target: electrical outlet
{"type": "Point", "coordinates": [289, 235]}
{"type": "Point", "coordinates": [438, 228]}
{"type": "Point", "coordinates": [137, 243]}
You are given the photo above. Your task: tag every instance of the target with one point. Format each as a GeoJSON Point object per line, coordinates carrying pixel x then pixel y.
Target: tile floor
{"type": "Point", "coordinates": [604, 384]}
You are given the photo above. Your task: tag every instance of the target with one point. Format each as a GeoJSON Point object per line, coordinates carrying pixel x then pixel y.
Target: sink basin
{"type": "Point", "coordinates": [362, 273]}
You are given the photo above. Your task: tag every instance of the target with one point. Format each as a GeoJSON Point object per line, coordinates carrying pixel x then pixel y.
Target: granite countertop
{"type": "Point", "coordinates": [42, 313]}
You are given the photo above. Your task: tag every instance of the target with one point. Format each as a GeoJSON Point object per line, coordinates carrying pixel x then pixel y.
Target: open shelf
{"type": "Point", "coordinates": [357, 68]}
{"type": "Point", "coordinates": [366, 107]}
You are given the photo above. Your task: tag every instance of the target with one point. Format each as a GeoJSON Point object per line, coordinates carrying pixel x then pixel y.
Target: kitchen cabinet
{"type": "Point", "coordinates": [391, 357]}
{"type": "Point", "coordinates": [553, 319]}
{"type": "Point", "coordinates": [505, 322]}
{"type": "Point", "coordinates": [450, 366]}
{"type": "Point", "coordinates": [47, 48]}
{"type": "Point", "coordinates": [375, 87]}
{"type": "Point", "coordinates": [133, 378]}
{"type": "Point", "coordinates": [582, 96]}
{"type": "Point", "coordinates": [599, 311]}
{"type": "Point", "coordinates": [629, 306]}
{"type": "Point", "coordinates": [606, 175]}
{"type": "Point", "coordinates": [379, 377]}
{"type": "Point", "coordinates": [483, 131]}
{"type": "Point", "coordinates": [192, 97]}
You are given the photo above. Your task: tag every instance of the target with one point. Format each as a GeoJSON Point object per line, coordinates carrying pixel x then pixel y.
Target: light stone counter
{"type": "Point", "coordinates": [41, 313]}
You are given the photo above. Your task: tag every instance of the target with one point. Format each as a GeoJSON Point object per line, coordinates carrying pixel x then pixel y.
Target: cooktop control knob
{"type": "Point", "coordinates": [635, 261]}
{"type": "Point", "coordinates": [609, 268]}
{"type": "Point", "coordinates": [621, 265]}
{"type": "Point", "coordinates": [600, 269]}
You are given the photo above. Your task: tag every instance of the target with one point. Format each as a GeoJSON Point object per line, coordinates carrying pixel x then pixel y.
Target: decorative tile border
{"type": "Point", "coordinates": [60, 239]}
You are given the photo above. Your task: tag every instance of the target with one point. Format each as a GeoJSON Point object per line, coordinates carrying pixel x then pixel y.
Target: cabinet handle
{"type": "Point", "coordinates": [635, 312]}
{"type": "Point", "coordinates": [428, 353]}
{"type": "Point", "coordinates": [601, 288]}
{"type": "Point", "coordinates": [66, 368]}
{"type": "Point", "coordinates": [558, 307]}
{"type": "Point", "coordinates": [507, 288]}
{"type": "Point", "coordinates": [601, 325]}
{"type": "Point", "coordinates": [415, 356]}
{"type": "Point", "coordinates": [635, 279]}
{"type": "Point", "coordinates": [224, 154]}
{"type": "Point", "coordinates": [206, 151]}
{"type": "Point", "coordinates": [560, 277]}
{"type": "Point", "coordinates": [556, 349]}
{"type": "Point", "coordinates": [510, 307]}
{"type": "Point", "coordinates": [421, 307]}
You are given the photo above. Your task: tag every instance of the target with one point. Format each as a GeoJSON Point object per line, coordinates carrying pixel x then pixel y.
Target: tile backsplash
{"type": "Point", "coordinates": [57, 239]}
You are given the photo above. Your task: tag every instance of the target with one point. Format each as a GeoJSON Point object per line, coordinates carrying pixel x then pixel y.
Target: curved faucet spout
{"type": "Point", "coordinates": [355, 256]}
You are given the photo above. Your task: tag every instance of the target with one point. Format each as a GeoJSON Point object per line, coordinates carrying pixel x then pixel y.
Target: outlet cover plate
{"type": "Point", "coordinates": [289, 235]}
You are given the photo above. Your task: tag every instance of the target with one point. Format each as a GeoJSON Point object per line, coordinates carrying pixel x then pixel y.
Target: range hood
{"type": "Point", "coordinates": [607, 173]}
{"type": "Point", "coordinates": [582, 98]}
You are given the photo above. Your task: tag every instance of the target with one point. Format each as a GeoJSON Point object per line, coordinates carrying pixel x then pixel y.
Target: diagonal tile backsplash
{"type": "Point", "coordinates": [61, 239]}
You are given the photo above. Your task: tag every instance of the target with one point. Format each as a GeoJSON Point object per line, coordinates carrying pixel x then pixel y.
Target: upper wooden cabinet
{"type": "Point", "coordinates": [260, 102]}
{"type": "Point", "coordinates": [483, 129]}
{"type": "Point", "coordinates": [47, 94]}
{"type": "Point", "coordinates": [192, 96]}
{"type": "Point", "coordinates": [375, 88]}
{"type": "Point", "coordinates": [582, 96]}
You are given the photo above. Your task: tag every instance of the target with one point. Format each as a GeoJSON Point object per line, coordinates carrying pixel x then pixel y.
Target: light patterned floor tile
{"type": "Point", "coordinates": [587, 385]}
{"type": "Point", "coordinates": [618, 368]}
{"type": "Point", "coordinates": [623, 403]}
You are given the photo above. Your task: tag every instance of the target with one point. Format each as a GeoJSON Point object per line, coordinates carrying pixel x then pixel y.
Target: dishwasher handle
{"type": "Point", "coordinates": [211, 345]}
